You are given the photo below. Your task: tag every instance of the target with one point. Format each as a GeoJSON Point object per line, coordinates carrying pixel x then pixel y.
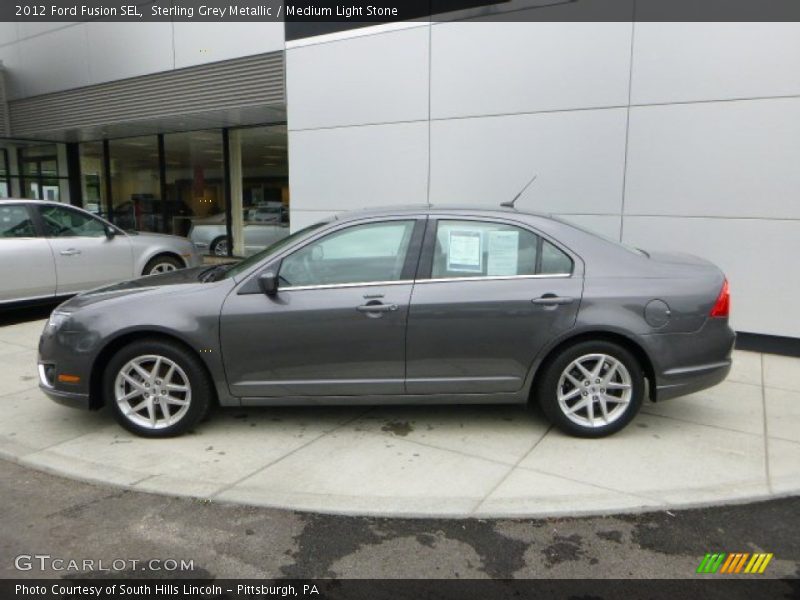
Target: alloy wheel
{"type": "Point", "coordinates": [594, 390]}
{"type": "Point", "coordinates": [152, 391]}
{"type": "Point", "coordinates": [164, 267]}
{"type": "Point", "coordinates": [221, 248]}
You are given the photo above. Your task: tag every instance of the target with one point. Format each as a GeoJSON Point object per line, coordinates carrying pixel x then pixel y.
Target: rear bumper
{"type": "Point", "coordinates": [680, 382]}
{"type": "Point", "coordinates": [685, 363]}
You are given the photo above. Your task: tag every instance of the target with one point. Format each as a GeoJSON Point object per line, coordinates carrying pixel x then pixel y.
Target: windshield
{"type": "Point", "coordinates": [248, 262]}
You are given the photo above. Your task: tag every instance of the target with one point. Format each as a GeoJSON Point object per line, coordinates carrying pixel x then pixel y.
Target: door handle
{"type": "Point", "coordinates": [70, 252]}
{"type": "Point", "coordinates": [377, 308]}
{"type": "Point", "coordinates": [553, 300]}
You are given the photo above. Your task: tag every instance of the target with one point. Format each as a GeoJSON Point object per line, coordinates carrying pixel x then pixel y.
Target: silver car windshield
{"type": "Point", "coordinates": [248, 262]}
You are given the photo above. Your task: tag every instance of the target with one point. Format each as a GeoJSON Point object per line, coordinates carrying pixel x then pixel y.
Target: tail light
{"type": "Point", "coordinates": [722, 307]}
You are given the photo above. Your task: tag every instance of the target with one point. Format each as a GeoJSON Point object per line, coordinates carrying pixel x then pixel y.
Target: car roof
{"type": "Point", "coordinates": [31, 201]}
{"type": "Point", "coordinates": [479, 210]}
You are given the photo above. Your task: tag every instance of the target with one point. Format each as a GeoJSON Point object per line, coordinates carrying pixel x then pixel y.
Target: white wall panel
{"type": "Point", "coordinates": [8, 33]}
{"type": "Point", "coordinates": [498, 68]}
{"type": "Point", "coordinates": [758, 256]}
{"type": "Point", "coordinates": [201, 43]}
{"type": "Point", "coordinates": [679, 62]}
{"type": "Point", "coordinates": [122, 50]}
{"type": "Point", "coordinates": [358, 167]}
{"type": "Point", "coordinates": [606, 225]}
{"type": "Point", "coordinates": [9, 56]}
{"type": "Point", "coordinates": [715, 159]}
{"type": "Point", "coordinates": [373, 79]}
{"type": "Point", "coordinates": [55, 61]}
{"type": "Point", "coordinates": [578, 156]}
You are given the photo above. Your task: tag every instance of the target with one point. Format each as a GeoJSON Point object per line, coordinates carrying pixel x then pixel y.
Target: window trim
{"type": "Point", "coordinates": [425, 271]}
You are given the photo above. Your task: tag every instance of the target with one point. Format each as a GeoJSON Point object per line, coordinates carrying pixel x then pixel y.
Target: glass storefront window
{"type": "Point", "coordinates": [195, 175]}
{"type": "Point", "coordinates": [265, 186]}
{"type": "Point", "coordinates": [135, 184]}
{"type": "Point", "coordinates": [92, 177]}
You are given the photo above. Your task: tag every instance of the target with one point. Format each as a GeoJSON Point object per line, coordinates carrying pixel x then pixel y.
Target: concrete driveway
{"type": "Point", "coordinates": [737, 442]}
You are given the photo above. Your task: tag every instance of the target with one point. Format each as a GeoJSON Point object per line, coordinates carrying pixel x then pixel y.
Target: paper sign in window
{"type": "Point", "coordinates": [503, 250]}
{"type": "Point", "coordinates": [465, 251]}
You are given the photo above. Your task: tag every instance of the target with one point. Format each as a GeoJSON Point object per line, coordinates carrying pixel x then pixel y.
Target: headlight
{"type": "Point", "coordinates": [56, 321]}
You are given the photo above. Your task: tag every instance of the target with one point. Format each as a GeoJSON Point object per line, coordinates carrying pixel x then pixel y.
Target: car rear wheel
{"type": "Point", "coordinates": [219, 247]}
{"type": "Point", "coordinates": [157, 388]}
{"type": "Point", "coordinates": [591, 389]}
{"type": "Point", "coordinates": [162, 264]}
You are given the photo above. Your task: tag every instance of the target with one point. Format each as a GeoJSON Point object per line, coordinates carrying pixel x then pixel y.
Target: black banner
{"type": "Point", "coordinates": [712, 587]}
{"type": "Point", "coordinates": [356, 13]}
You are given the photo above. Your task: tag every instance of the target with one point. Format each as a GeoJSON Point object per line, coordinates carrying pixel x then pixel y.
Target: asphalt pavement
{"type": "Point", "coordinates": [68, 520]}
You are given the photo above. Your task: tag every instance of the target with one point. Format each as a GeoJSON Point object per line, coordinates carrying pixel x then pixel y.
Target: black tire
{"type": "Point", "coordinates": [547, 386]}
{"type": "Point", "coordinates": [189, 367]}
{"type": "Point", "coordinates": [162, 264]}
{"type": "Point", "coordinates": [215, 246]}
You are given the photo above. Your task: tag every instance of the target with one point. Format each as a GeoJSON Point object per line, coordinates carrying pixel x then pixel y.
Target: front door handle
{"type": "Point", "coordinates": [70, 252]}
{"type": "Point", "coordinates": [377, 308]}
{"type": "Point", "coordinates": [553, 300]}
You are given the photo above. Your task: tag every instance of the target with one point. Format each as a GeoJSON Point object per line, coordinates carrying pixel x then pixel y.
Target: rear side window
{"type": "Point", "coordinates": [488, 249]}
{"type": "Point", "coordinates": [15, 222]}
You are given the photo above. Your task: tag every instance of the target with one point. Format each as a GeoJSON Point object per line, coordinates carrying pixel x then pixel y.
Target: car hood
{"type": "Point", "coordinates": [150, 284]}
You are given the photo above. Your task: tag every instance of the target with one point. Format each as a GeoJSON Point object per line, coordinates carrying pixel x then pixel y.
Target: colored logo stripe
{"type": "Point", "coordinates": [734, 563]}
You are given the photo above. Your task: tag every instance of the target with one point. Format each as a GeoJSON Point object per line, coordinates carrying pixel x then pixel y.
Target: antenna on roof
{"type": "Point", "coordinates": [510, 203]}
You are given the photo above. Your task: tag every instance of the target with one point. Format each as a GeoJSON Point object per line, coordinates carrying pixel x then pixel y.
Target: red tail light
{"type": "Point", "coordinates": [722, 307]}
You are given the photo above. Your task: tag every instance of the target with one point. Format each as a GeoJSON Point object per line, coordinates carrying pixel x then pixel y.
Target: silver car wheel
{"type": "Point", "coordinates": [221, 248]}
{"type": "Point", "coordinates": [152, 391]}
{"type": "Point", "coordinates": [164, 267]}
{"type": "Point", "coordinates": [594, 390]}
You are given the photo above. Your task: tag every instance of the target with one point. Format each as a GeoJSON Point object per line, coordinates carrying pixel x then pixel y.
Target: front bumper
{"type": "Point", "coordinates": [71, 399]}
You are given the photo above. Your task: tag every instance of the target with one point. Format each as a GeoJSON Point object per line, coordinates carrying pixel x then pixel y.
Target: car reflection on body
{"type": "Point", "coordinates": [263, 226]}
{"type": "Point", "coordinates": [413, 305]}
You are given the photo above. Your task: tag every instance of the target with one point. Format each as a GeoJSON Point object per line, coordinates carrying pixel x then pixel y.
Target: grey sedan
{"type": "Point", "coordinates": [415, 305]}
{"type": "Point", "coordinates": [49, 249]}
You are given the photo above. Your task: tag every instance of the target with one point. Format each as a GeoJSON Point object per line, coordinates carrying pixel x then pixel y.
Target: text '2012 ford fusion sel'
{"type": "Point", "coordinates": [411, 305]}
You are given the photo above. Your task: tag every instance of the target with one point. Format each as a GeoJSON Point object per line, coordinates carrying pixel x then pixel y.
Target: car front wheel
{"type": "Point", "coordinates": [157, 388]}
{"type": "Point", "coordinates": [591, 389]}
{"type": "Point", "coordinates": [162, 264]}
{"type": "Point", "coordinates": [219, 247]}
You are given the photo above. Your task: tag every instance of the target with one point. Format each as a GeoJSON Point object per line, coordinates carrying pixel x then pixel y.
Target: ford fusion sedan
{"type": "Point", "coordinates": [49, 249]}
{"type": "Point", "coordinates": [414, 305]}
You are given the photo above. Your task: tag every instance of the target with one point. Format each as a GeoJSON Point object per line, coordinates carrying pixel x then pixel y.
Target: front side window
{"type": "Point", "coordinates": [15, 221]}
{"type": "Point", "coordinates": [487, 249]}
{"type": "Point", "coordinates": [359, 254]}
{"type": "Point", "coordinates": [60, 221]}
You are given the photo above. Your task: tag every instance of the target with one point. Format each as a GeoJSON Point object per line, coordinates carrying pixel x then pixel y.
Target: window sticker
{"type": "Point", "coordinates": [465, 252]}
{"type": "Point", "coordinates": [503, 253]}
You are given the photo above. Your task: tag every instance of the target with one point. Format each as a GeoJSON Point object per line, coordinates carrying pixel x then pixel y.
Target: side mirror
{"type": "Point", "coordinates": [268, 282]}
{"type": "Point", "coordinates": [110, 232]}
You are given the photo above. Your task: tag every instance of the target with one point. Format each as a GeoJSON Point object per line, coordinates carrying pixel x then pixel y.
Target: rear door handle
{"type": "Point", "coordinates": [377, 308]}
{"type": "Point", "coordinates": [553, 300]}
{"type": "Point", "coordinates": [70, 252]}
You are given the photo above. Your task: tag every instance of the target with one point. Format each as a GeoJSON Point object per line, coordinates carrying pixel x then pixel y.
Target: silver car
{"type": "Point", "coordinates": [49, 249]}
{"type": "Point", "coordinates": [263, 226]}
